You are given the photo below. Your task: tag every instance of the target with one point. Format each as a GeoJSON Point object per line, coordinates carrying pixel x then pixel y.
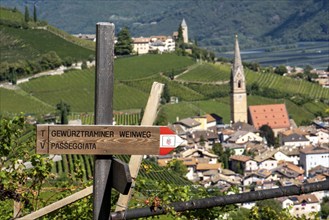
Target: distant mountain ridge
{"type": "Point", "coordinates": [210, 23]}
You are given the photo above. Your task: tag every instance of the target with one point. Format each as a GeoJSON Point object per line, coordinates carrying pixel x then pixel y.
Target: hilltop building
{"type": "Point", "coordinates": [141, 45]}
{"type": "Point", "coordinates": [184, 30]}
{"type": "Point", "coordinates": [238, 88]}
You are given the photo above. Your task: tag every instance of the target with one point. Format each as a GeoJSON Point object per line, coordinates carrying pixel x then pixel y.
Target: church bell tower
{"type": "Point", "coordinates": [185, 31]}
{"type": "Point", "coordinates": [238, 88]}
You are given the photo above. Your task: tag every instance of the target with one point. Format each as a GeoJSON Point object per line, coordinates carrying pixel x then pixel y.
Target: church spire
{"type": "Point", "coordinates": [238, 88]}
{"type": "Point", "coordinates": [237, 57]}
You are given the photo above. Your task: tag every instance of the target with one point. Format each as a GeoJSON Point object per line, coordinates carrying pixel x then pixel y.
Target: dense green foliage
{"type": "Point", "coordinates": [17, 183]}
{"type": "Point", "coordinates": [268, 134]}
{"type": "Point", "coordinates": [124, 43]}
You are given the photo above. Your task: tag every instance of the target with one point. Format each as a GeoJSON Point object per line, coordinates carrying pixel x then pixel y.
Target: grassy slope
{"type": "Point", "coordinates": [77, 89]}
{"type": "Point", "coordinates": [31, 44]}
{"type": "Point", "coordinates": [208, 73]}
{"type": "Point", "coordinates": [26, 44]}
{"type": "Point", "coordinates": [11, 15]}
{"type": "Point", "coordinates": [144, 66]}
{"type": "Point", "coordinates": [16, 101]}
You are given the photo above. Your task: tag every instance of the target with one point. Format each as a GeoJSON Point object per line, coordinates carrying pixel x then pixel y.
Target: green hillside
{"type": "Point", "coordinates": [76, 88]}
{"type": "Point", "coordinates": [29, 44]}
{"type": "Point", "coordinates": [31, 47]}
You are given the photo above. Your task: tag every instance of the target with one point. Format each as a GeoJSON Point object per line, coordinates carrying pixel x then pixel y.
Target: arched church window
{"type": "Point", "coordinates": [239, 84]}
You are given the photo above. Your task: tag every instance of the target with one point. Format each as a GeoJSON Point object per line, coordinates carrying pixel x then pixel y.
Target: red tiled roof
{"type": "Point", "coordinates": [274, 115]}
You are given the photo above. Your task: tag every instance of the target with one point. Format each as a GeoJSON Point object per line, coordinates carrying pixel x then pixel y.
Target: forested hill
{"type": "Point", "coordinates": [210, 22]}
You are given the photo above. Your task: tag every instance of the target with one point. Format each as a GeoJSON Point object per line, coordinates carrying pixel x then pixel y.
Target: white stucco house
{"type": "Point", "coordinates": [311, 157]}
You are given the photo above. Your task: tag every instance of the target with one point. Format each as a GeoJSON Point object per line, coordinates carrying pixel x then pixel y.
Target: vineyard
{"type": "Point", "coordinates": [208, 73]}
{"type": "Point", "coordinates": [33, 43]}
{"type": "Point", "coordinates": [22, 102]}
{"type": "Point", "coordinates": [76, 88]}
{"type": "Point", "coordinates": [288, 85]}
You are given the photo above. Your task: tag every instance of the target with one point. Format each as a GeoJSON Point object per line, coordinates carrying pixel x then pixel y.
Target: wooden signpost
{"type": "Point", "coordinates": [103, 139]}
{"type": "Point", "coordinates": [106, 140]}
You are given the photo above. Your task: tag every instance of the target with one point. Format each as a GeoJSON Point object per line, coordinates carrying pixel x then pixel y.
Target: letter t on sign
{"type": "Point", "coordinates": [42, 139]}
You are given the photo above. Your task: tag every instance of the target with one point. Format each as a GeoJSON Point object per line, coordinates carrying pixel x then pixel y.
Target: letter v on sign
{"type": "Point", "coordinates": [168, 140]}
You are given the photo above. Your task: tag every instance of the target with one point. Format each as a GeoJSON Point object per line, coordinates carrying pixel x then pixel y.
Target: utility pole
{"type": "Point", "coordinates": [104, 86]}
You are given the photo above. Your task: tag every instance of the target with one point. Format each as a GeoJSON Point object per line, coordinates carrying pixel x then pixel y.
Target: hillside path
{"type": "Point", "coordinates": [58, 71]}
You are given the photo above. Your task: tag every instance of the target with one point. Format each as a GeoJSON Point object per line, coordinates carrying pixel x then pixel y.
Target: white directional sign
{"type": "Point", "coordinates": [106, 140]}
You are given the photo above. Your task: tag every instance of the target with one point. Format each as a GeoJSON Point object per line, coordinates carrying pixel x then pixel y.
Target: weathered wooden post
{"type": "Point", "coordinates": [104, 84]}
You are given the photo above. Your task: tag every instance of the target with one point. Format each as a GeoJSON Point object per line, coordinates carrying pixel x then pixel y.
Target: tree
{"type": "Point", "coordinates": [35, 19]}
{"type": "Point", "coordinates": [26, 14]}
{"type": "Point", "coordinates": [177, 166]}
{"type": "Point", "coordinates": [64, 110]}
{"type": "Point", "coordinates": [325, 208]}
{"type": "Point", "coordinates": [267, 132]}
{"type": "Point", "coordinates": [124, 44]}
{"type": "Point", "coordinates": [180, 38]}
{"type": "Point", "coordinates": [141, 115]}
{"type": "Point", "coordinates": [16, 182]}
{"type": "Point", "coordinates": [161, 118]}
{"type": "Point", "coordinates": [223, 155]}
{"type": "Point", "coordinates": [280, 70]}
{"type": "Point", "coordinates": [202, 141]}
{"type": "Point", "coordinates": [165, 95]}
{"type": "Point", "coordinates": [84, 65]}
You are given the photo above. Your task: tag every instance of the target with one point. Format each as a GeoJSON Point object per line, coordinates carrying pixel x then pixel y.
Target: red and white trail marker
{"type": "Point", "coordinates": [168, 140]}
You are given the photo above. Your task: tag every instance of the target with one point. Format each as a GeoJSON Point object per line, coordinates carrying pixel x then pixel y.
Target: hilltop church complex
{"type": "Point", "coordinates": [159, 44]}
{"type": "Point", "coordinates": [274, 115]}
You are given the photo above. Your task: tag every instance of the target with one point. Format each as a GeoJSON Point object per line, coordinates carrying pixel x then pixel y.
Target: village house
{"type": "Point", "coordinates": [287, 154]}
{"type": "Point", "coordinates": [227, 177]}
{"type": "Point", "coordinates": [203, 139]}
{"type": "Point", "coordinates": [242, 164]}
{"type": "Point", "coordinates": [207, 121]}
{"type": "Point", "coordinates": [242, 126]}
{"type": "Point", "coordinates": [259, 175]}
{"type": "Point", "coordinates": [301, 205]}
{"type": "Point", "coordinates": [162, 44]}
{"type": "Point", "coordinates": [323, 136]}
{"type": "Point", "coordinates": [319, 169]}
{"type": "Point", "coordinates": [311, 157]}
{"type": "Point", "coordinates": [242, 137]}
{"type": "Point", "coordinates": [141, 45]}
{"type": "Point", "coordinates": [266, 160]}
{"type": "Point", "coordinates": [201, 164]}
{"type": "Point", "coordinates": [294, 140]}
{"type": "Point", "coordinates": [204, 172]}
{"type": "Point", "coordinates": [237, 149]}
{"type": "Point", "coordinates": [189, 124]}
{"type": "Point", "coordinates": [286, 170]}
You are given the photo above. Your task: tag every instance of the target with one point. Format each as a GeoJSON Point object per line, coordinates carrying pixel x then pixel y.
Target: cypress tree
{"type": "Point", "coordinates": [27, 14]}
{"type": "Point", "coordinates": [35, 19]}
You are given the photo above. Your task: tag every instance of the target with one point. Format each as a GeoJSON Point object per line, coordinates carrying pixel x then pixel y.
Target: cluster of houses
{"type": "Point", "coordinates": [303, 155]}
{"type": "Point", "coordinates": [153, 44]}
{"type": "Point", "coordinates": [322, 75]}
